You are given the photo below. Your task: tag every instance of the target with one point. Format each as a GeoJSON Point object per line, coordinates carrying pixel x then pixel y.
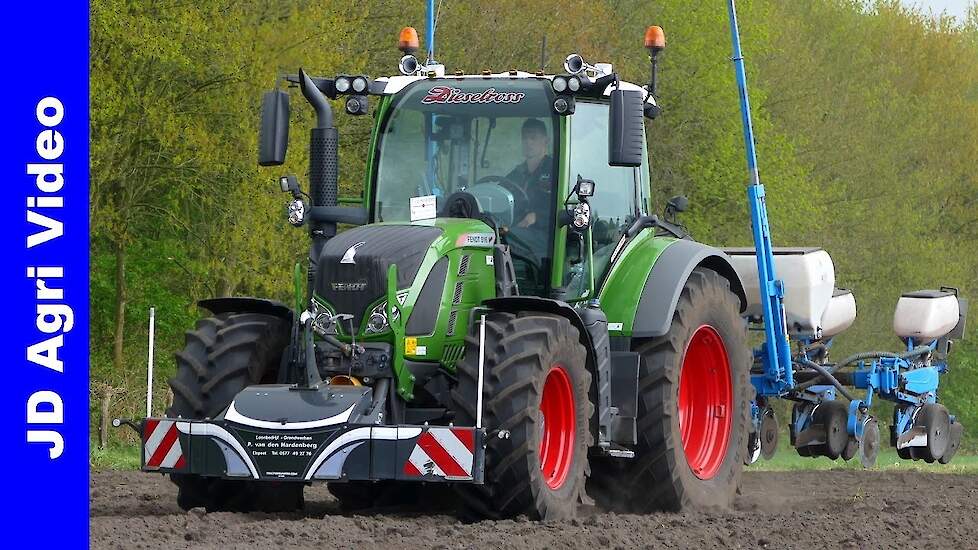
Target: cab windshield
{"type": "Point", "coordinates": [494, 139]}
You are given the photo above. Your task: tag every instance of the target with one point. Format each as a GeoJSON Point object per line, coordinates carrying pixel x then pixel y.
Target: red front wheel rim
{"type": "Point", "coordinates": [705, 402]}
{"type": "Point", "coordinates": [557, 440]}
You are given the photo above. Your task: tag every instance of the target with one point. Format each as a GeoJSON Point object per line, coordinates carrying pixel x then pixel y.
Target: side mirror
{"type": "Point", "coordinates": [273, 135]}
{"type": "Point", "coordinates": [677, 204]}
{"type": "Point", "coordinates": [626, 125]}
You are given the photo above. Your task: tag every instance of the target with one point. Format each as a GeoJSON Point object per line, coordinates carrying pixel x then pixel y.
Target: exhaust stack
{"type": "Point", "coordinates": [323, 147]}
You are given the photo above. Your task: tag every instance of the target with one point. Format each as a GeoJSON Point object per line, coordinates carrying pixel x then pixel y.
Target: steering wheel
{"type": "Point", "coordinates": [522, 200]}
{"type": "Point", "coordinates": [518, 193]}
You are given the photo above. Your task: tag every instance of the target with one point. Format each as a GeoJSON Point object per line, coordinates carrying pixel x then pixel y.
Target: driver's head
{"type": "Point", "coordinates": [535, 139]}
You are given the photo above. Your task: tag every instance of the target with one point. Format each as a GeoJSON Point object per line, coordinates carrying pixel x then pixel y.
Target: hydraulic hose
{"type": "Point", "coordinates": [828, 376]}
{"type": "Point", "coordinates": [854, 358]}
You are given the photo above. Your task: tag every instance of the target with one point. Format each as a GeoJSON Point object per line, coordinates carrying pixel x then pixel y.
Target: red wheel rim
{"type": "Point", "coordinates": [705, 402]}
{"type": "Point", "coordinates": [557, 441]}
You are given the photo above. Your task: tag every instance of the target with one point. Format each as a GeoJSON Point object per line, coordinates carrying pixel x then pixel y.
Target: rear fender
{"type": "Point", "coordinates": [644, 286]}
{"type": "Point", "coordinates": [666, 280]}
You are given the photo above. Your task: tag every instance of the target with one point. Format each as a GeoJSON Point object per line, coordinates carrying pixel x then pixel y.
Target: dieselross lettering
{"type": "Point", "coordinates": [446, 94]}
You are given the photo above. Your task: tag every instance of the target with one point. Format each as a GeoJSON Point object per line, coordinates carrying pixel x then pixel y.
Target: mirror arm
{"type": "Point", "coordinates": [353, 215]}
{"type": "Point", "coordinates": [645, 222]}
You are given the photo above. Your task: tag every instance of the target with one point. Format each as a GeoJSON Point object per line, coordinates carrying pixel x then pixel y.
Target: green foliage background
{"type": "Point", "coordinates": [866, 115]}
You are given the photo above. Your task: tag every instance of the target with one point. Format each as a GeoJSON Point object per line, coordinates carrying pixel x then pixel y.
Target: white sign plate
{"type": "Point", "coordinates": [423, 208]}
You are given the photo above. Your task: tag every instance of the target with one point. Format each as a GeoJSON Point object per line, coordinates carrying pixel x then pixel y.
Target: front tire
{"type": "Point", "coordinates": [694, 409]}
{"type": "Point", "coordinates": [537, 412]}
{"type": "Point", "coordinates": [222, 356]}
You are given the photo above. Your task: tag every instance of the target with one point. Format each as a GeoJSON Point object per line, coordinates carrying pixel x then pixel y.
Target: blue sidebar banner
{"type": "Point", "coordinates": [45, 251]}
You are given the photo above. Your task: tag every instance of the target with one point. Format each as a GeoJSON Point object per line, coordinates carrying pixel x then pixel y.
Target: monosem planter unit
{"type": "Point", "coordinates": [831, 400]}
{"type": "Point", "coordinates": [801, 312]}
{"type": "Point", "coordinates": [507, 317]}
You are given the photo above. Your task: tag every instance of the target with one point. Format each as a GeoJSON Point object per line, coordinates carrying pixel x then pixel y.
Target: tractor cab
{"type": "Point", "coordinates": [506, 149]}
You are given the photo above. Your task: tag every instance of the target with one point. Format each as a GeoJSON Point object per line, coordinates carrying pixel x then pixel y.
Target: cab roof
{"type": "Point", "coordinates": [394, 84]}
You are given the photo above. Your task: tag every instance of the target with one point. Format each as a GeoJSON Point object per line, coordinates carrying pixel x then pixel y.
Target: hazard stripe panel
{"type": "Point", "coordinates": [442, 452]}
{"type": "Point", "coordinates": [161, 445]}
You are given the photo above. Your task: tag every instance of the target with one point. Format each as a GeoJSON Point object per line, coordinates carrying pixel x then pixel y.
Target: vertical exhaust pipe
{"type": "Point", "coordinates": [323, 144]}
{"type": "Point", "coordinates": [323, 167]}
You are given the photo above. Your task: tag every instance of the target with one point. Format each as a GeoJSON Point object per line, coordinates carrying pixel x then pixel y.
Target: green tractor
{"type": "Point", "coordinates": [506, 318]}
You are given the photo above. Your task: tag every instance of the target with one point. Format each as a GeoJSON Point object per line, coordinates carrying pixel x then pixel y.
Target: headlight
{"type": "Point", "coordinates": [377, 320]}
{"type": "Point", "coordinates": [582, 215]}
{"type": "Point", "coordinates": [376, 323]}
{"type": "Point", "coordinates": [342, 84]}
{"type": "Point", "coordinates": [574, 84]}
{"type": "Point", "coordinates": [296, 212]}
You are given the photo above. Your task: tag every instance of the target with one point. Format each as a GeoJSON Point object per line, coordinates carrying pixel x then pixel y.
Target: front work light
{"type": "Point", "coordinates": [585, 188]}
{"type": "Point", "coordinates": [560, 84]}
{"type": "Point", "coordinates": [356, 105]}
{"type": "Point", "coordinates": [289, 184]}
{"type": "Point", "coordinates": [564, 105]}
{"type": "Point", "coordinates": [360, 84]}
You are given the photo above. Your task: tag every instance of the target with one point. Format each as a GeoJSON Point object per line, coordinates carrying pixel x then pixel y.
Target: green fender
{"type": "Point", "coordinates": [640, 294]}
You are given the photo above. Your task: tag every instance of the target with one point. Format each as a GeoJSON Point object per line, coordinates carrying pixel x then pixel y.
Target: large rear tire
{"type": "Point", "coordinates": [694, 409]}
{"type": "Point", "coordinates": [223, 355]}
{"type": "Point", "coordinates": [537, 412]}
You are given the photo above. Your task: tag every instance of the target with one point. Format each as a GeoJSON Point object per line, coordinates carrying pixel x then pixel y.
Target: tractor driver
{"type": "Point", "coordinates": [534, 175]}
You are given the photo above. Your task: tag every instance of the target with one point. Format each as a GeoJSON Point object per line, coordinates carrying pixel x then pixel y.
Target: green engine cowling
{"type": "Point", "coordinates": [412, 285]}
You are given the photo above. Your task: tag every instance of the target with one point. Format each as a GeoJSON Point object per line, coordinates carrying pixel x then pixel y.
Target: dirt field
{"type": "Point", "coordinates": [849, 509]}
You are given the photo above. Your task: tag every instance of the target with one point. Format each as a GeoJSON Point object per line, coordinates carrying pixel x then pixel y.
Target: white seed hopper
{"type": "Point", "coordinates": [813, 307]}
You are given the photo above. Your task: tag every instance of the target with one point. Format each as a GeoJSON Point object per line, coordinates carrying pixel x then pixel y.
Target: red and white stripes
{"type": "Point", "coordinates": [442, 452]}
{"type": "Point", "coordinates": [161, 445]}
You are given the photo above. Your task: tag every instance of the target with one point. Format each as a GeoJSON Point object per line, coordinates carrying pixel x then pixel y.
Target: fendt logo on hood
{"type": "Point", "coordinates": [348, 257]}
{"type": "Point", "coordinates": [349, 287]}
{"type": "Point", "coordinates": [447, 94]}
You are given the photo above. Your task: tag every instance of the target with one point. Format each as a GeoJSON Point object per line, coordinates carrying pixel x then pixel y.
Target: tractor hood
{"type": "Point", "coordinates": [352, 271]}
{"type": "Point", "coordinates": [351, 275]}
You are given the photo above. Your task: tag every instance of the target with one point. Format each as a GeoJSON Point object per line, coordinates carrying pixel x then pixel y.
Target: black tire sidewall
{"type": "Point", "coordinates": [721, 488]}
{"type": "Point", "coordinates": [565, 358]}
{"type": "Point", "coordinates": [205, 346]}
{"type": "Point", "coordinates": [513, 389]}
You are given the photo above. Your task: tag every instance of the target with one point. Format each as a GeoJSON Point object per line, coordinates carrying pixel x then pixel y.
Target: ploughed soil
{"type": "Point", "coordinates": [848, 509]}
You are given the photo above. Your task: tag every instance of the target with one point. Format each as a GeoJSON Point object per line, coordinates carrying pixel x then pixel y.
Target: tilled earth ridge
{"type": "Point", "coordinates": [833, 509]}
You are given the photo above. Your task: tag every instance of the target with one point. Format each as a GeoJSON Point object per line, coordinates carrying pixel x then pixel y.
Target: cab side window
{"type": "Point", "coordinates": [618, 198]}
